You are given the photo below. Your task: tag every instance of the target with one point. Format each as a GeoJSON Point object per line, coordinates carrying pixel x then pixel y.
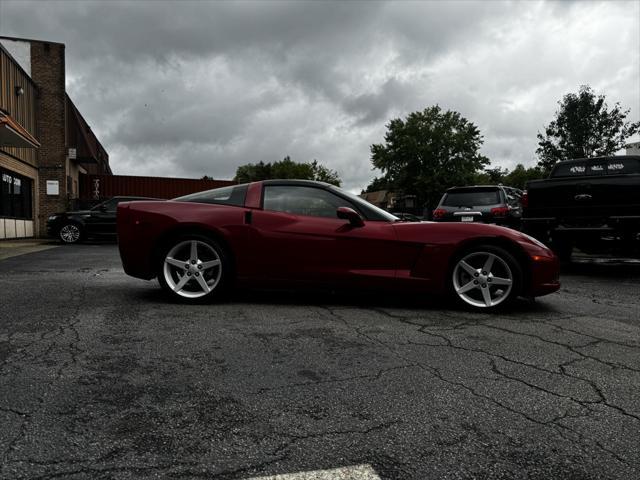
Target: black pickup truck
{"type": "Point", "coordinates": [592, 204]}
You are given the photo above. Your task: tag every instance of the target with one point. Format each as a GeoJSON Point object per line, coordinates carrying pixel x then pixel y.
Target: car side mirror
{"type": "Point", "coordinates": [102, 208]}
{"type": "Point", "coordinates": [350, 214]}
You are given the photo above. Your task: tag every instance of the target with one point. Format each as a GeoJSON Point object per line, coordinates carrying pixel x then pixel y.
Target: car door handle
{"type": "Point", "coordinates": [583, 196]}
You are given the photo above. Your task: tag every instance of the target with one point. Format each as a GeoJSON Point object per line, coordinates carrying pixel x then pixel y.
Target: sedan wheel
{"type": "Point", "coordinates": [193, 268]}
{"type": "Point", "coordinates": [70, 233]}
{"type": "Point", "coordinates": [486, 278]}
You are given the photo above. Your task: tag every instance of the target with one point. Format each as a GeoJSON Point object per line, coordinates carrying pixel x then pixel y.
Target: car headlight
{"type": "Point", "coordinates": [52, 218]}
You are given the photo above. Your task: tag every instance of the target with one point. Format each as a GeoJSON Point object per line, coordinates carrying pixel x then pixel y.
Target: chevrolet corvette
{"type": "Point", "coordinates": [306, 233]}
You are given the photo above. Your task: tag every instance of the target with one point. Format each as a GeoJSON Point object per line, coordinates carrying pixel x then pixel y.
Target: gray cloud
{"type": "Point", "coordinates": [194, 88]}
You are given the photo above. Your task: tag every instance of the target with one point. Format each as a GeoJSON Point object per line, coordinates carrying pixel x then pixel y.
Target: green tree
{"type": "Point", "coordinates": [519, 176]}
{"type": "Point", "coordinates": [324, 174]}
{"type": "Point", "coordinates": [584, 127]}
{"type": "Point", "coordinates": [286, 168]}
{"type": "Point", "coordinates": [253, 172]}
{"type": "Point", "coordinates": [428, 152]}
{"type": "Point", "coordinates": [378, 183]}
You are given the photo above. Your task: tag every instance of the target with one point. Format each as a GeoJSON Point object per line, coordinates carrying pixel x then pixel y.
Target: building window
{"type": "Point", "coordinates": [15, 195]}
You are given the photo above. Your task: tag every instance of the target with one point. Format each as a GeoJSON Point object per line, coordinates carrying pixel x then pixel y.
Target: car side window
{"type": "Point", "coordinates": [300, 200]}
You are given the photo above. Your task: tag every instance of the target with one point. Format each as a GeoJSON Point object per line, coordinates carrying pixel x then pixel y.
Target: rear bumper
{"type": "Point", "coordinates": [53, 227]}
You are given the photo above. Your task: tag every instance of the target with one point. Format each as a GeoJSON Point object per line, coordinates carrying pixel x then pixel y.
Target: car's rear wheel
{"type": "Point", "coordinates": [194, 268]}
{"type": "Point", "coordinates": [70, 233]}
{"type": "Point", "coordinates": [485, 278]}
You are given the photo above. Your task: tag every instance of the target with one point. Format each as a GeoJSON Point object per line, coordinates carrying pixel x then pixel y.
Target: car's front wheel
{"type": "Point", "coordinates": [70, 233]}
{"type": "Point", "coordinates": [194, 268]}
{"type": "Point", "coordinates": [485, 277]}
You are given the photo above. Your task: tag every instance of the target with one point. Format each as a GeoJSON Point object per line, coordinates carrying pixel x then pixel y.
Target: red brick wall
{"type": "Point", "coordinates": [48, 73]}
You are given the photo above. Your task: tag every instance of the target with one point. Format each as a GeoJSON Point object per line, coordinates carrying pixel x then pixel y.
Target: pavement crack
{"type": "Point", "coordinates": [374, 376]}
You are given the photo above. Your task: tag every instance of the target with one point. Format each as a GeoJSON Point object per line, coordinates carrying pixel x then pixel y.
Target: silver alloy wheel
{"type": "Point", "coordinates": [192, 268]}
{"type": "Point", "coordinates": [70, 233]}
{"type": "Point", "coordinates": [482, 279]}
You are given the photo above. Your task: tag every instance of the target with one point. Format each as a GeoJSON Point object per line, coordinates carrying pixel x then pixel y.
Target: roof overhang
{"type": "Point", "coordinates": [12, 134]}
{"type": "Point", "coordinates": [85, 160]}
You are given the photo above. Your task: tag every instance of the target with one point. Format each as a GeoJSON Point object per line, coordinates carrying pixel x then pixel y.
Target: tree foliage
{"type": "Point", "coordinates": [286, 169]}
{"type": "Point", "coordinates": [428, 152]}
{"type": "Point", "coordinates": [378, 183]}
{"type": "Point", "coordinates": [584, 127]}
{"type": "Point", "coordinates": [517, 178]}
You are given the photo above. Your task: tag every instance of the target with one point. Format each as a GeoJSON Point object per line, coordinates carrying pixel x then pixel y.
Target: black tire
{"type": "Point", "coordinates": [217, 278]}
{"type": "Point", "coordinates": [505, 266]}
{"type": "Point", "coordinates": [70, 233]}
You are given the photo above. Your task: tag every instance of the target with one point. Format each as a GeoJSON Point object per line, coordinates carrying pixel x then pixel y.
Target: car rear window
{"type": "Point", "coordinates": [471, 198]}
{"type": "Point", "coordinates": [597, 168]}
{"type": "Point", "coordinates": [605, 166]}
{"type": "Point", "coordinates": [234, 195]}
{"type": "Point", "coordinates": [621, 165]}
{"type": "Point", "coordinates": [570, 169]}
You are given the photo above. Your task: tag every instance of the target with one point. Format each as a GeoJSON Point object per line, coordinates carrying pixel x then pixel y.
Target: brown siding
{"type": "Point", "coordinates": [154, 187]}
{"type": "Point", "coordinates": [21, 108]}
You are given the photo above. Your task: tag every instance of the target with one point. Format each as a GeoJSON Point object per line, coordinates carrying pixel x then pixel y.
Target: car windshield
{"type": "Point", "coordinates": [362, 202]}
{"type": "Point", "coordinates": [471, 198]}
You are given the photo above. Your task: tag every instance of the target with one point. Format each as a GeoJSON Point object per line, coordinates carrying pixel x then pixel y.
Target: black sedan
{"type": "Point", "coordinates": [99, 222]}
{"type": "Point", "coordinates": [481, 203]}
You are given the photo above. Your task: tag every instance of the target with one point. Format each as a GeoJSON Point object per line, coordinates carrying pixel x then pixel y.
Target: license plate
{"type": "Point", "coordinates": [466, 219]}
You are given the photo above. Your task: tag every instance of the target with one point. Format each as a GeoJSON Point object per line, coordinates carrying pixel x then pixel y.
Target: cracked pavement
{"type": "Point", "coordinates": [102, 377]}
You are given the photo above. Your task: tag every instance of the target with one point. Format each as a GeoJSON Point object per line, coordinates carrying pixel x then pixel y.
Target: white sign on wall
{"type": "Point", "coordinates": [72, 154]}
{"type": "Point", "coordinates": [53, 187]}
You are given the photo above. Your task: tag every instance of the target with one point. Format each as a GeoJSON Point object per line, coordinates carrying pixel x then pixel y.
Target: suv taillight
{"type": "Point", "coordinates": [500, 211]}
{"type": "Point", "coordinates": [439, 213]}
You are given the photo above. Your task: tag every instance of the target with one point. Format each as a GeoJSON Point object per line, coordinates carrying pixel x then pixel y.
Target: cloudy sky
{"type": "Point", "coordinates": [188, 89]}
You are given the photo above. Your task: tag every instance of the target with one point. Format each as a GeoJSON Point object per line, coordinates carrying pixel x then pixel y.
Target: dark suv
{"type": "Point", "coordinates": [100, 221]}
{"type": "Point", "coordinates": [481, 203]}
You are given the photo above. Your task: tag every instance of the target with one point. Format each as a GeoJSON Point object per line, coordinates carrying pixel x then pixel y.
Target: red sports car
{"type": "Point", "coordinates": [284, 232]}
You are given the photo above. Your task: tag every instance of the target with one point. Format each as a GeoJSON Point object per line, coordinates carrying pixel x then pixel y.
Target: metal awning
{"type": "Point", "coordinates": [12, 134]}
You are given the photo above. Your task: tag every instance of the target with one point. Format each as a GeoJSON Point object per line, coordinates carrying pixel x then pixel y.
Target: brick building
{"type": "Point", "coordinates": [45, 143]}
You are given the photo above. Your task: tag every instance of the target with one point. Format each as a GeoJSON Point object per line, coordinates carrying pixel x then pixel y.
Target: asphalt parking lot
{"type": "Point", "coordinates": [101, 377]}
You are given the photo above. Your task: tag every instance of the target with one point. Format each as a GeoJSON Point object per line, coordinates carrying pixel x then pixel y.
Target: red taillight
{"type": "Point", "coordinates": [439, 213]}
{"type": "Point", "coordinates": [500, 211]}
{"type": "Point", "coordinates": [524, 200]}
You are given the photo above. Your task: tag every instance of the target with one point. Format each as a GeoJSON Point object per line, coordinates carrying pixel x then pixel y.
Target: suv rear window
{"type": "Point", "coordinates": [471, 198]}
